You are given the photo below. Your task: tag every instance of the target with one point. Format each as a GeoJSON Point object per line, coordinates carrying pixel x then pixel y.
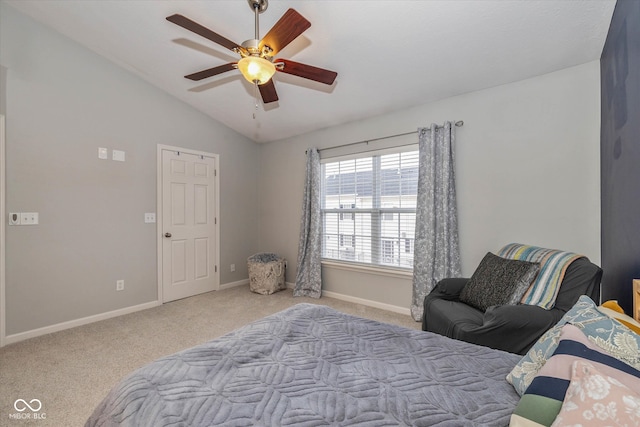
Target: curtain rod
{"type": "Point", "coordinates": [459, 123]}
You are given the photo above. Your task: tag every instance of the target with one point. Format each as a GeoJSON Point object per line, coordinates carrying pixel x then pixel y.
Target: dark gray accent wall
{"type": "Point", "coordinates": [620, 154]}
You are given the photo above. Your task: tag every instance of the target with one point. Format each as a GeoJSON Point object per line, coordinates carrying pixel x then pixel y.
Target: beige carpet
{"type": "Point", "coordinates": [71, 371]}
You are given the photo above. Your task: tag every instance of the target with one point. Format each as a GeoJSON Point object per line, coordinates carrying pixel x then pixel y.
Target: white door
{"type": "Point", "coordinates": [189, 224]}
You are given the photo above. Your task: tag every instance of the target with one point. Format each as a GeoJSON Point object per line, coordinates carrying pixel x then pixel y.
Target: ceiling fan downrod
{"type": "Point", "coordinates": [253, 46]}
{"type": "Point", "coordinates": [258, 6]}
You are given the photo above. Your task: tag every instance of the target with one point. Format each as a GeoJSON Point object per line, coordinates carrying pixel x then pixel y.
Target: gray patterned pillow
{"type": "Point", "coordinates": [498, 281]}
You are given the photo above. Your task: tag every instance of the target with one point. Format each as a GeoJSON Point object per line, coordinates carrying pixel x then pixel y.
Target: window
{"type": "Point", "coordinates": [350, 216]}
{"type": "Point", "coordinates": [408, 244]}
{"type": "Point", "coordinates": [387, 251]}
{"type": "Point", "coordinates": [369, 208]}
{"type": "Point", "coordinates": [348, 241]}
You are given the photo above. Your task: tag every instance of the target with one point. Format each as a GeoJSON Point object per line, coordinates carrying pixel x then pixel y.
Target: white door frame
{"type": "Point", "coordinates": [159, 218]}
{"type": "Point", "coordinates": [3, 232]}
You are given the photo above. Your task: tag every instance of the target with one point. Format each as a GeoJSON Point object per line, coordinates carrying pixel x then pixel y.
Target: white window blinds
{"type": "Point", "coordinates": [369, 209]}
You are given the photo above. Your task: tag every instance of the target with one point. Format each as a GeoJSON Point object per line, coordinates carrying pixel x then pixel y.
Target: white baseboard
{"type": "Point", "coordinates": [234, 284]}
{"type": "Point", "coordinates": [367, 302]}
{"type": "Point", "coordinates": [10, 339]}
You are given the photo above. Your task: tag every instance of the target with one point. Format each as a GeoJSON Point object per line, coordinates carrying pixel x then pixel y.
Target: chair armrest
{"type": "Point", "coordinates": [513, 328]}
{"type": "Point", "coordinates": [445, 290]}
{"type": "Point", "coordinates": [449, 288]}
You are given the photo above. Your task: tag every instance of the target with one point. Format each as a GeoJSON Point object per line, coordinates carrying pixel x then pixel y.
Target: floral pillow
{"type": "Point", "coordinates": [608, 334]}
{"type": "Point", "coordinates": [593, 397]}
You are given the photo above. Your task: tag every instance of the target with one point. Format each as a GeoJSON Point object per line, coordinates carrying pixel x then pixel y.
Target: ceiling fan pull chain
{"type": "Point", "coordinates": [255, 92]}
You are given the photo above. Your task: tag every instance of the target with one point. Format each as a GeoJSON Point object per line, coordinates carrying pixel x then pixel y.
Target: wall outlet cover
{"type": "Point", "coordinates": [14, 218]}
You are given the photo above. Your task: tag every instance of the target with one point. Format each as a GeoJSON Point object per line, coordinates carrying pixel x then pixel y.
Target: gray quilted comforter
{"type": "Point", "coordinates": [310, 365]}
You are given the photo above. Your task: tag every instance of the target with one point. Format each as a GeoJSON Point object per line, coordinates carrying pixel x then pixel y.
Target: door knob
{"type": "Point", "coordinates": [167, 234]}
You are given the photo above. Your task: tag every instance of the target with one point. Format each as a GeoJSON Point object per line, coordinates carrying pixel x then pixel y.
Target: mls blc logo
{"type": "Point", "coordinates": [28, 410]}
{"type": "Point", "coordinates": [21, 405]}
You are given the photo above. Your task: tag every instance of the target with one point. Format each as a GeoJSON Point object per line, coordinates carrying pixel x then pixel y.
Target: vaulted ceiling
{"type": "Point", "coordinates": [389, 55]}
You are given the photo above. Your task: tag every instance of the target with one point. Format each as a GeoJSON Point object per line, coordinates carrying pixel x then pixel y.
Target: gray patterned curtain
{"type": "Point", "coordinates": [308, 280]}
{"type": "Point", "coordinates": [436, 253]}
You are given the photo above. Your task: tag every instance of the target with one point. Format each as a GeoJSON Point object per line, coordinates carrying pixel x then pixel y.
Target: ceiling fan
{"type": "Point", "coordinates": [256, 63]}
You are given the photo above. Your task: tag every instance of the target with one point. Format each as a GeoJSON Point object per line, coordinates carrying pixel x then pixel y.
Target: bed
{"type": "Point", "coordinates": [311, 365]}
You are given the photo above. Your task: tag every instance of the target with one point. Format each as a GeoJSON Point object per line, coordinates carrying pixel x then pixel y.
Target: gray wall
{"type": "Point", "coordinates": [527, 171]}
{"type": "Point", "coordinates": [62, 103]}
{"type": "Point", "coordinates": [3, 89]}
{"type": "Point", "coordinates": [620, 155]}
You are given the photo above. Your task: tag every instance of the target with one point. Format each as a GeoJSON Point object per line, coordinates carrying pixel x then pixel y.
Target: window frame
{"type": "Point", "coordinates": [378, 214]}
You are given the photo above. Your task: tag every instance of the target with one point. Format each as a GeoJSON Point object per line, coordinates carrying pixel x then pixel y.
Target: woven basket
{"type": "Point", "coordinates": [266, 273]}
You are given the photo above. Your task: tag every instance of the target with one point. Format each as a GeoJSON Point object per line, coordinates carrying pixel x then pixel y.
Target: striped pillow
{"type": "Point", "coordinates": [553, 265]}
{"type": "Point", "coordinates": [543, 399]}
{"type": "Point", "coordinates": [617, 339]}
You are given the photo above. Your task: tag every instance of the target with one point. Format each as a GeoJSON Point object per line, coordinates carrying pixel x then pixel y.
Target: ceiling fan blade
{"type": "Point", "coordinates": [211, 72]}
{"type": "Point", "coordinates": [268, 92]}
{"type": "Point", "coordinates": [290, 26]}
{"type": "Point", "coordinates": [190, 25]}
{"type": "Point", "coordinates": [307, 71]}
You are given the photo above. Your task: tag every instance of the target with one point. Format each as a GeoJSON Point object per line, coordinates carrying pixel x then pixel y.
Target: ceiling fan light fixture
{"type": "Point", "coordinates": [257, 63]}
{"type": "Point", "coordinates": [256, 69]}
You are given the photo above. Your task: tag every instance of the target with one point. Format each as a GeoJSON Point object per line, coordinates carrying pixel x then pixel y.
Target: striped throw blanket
{"type": "Point", "coordinates": [553, 264]}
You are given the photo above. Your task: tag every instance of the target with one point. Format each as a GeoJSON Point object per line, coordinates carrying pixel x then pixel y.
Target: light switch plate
{"type": "Point", "coordinates": [29, 218]}
{"type": "Point", "coordinates": [150, 217]}
{"type": "Point", "coordinates": [118, 155]}
{"type": "Point", "coordinates": [103, 153]}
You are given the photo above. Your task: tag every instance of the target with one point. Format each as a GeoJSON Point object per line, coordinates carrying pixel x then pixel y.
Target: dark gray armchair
{"type": "Point", "coordinates": [513, 328]}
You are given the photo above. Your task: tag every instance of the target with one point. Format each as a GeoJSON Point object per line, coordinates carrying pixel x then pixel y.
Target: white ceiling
{"type": "Point", "coordinates": [389, 55]}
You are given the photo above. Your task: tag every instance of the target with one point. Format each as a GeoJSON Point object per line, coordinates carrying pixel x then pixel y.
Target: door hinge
{"type": "Point", "coordinates": [216, 269]}
{"type": "Point", "coordinates": [215, 172]}
{"type": "Point", "coordinates": [215, 221]}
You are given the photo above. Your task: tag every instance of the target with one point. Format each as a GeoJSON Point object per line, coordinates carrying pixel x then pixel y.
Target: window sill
{"type": "Point", "coordinates": [381, 271]}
